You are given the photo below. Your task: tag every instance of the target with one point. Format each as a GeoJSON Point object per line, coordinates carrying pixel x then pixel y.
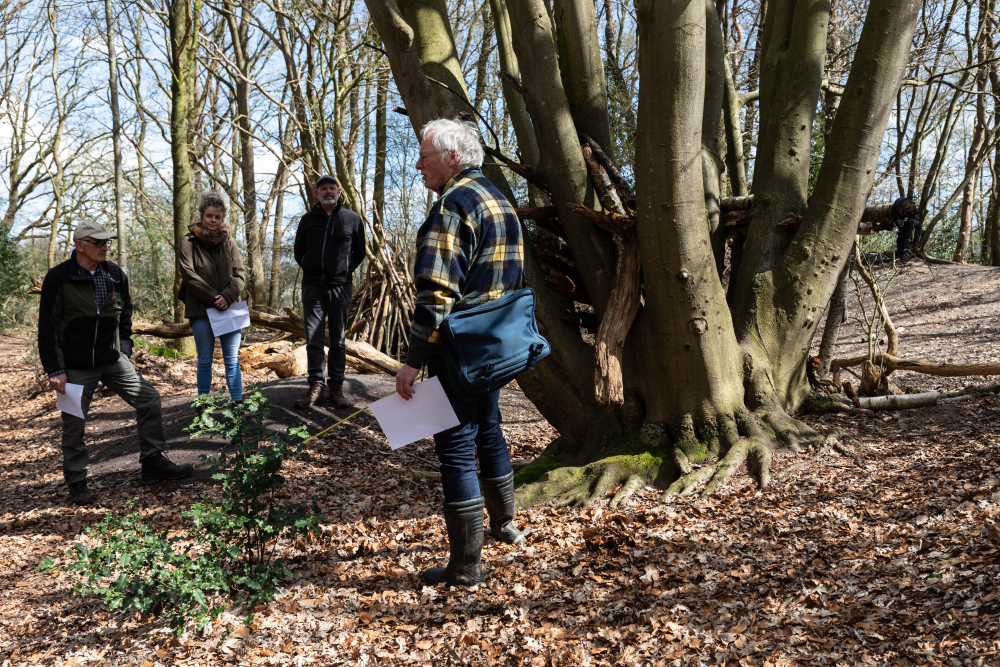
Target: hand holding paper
{"type": "Point", "coordinates": [234, 318]}
{"type": "Point", "coordinates": [71, 401]}
{"type": "Point", "coordinates": [427, 413]}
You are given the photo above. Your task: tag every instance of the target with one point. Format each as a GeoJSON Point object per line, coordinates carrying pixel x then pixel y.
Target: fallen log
{"type": "Point", "coordinates": [281, 358]}
{"type": "Point", "coordinates": [899, 401]}
{"type": "Point", "coordinates": [917, 366]}
{"type": "Point", "coordinates": [287, 361]}
{"type": "Point", "coordinates": [356, 349]}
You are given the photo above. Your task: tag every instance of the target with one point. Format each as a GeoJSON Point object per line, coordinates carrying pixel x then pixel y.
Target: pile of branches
{"type": "Point", "coordinates": [383, 304]}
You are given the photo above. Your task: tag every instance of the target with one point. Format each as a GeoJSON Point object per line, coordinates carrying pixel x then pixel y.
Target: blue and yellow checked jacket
{"type": "Point", "coordinates": [469, 251]}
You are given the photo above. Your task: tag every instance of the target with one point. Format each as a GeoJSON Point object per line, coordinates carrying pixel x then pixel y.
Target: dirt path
{"type": "Point", "coordinates": [113, 441]}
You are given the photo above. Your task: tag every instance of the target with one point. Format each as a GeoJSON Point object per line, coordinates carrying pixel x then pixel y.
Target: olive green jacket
{"type": "Point", "coordinates": [207, 272]}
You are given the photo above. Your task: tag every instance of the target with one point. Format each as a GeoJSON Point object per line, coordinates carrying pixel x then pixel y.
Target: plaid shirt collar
{"type": "Point", "coordinates": [99, 278]}
{"type": "Point", "coordinates": [455, 179]}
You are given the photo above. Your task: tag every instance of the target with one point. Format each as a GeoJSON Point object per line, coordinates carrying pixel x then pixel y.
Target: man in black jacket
{"type": "Point", "coordinates": [329, 246]}
{"type": "Point", "coordinates": [85, 337]}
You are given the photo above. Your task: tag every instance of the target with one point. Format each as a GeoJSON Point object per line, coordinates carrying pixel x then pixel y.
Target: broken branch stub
{"type": "Point", "coordinates": [623, 301]}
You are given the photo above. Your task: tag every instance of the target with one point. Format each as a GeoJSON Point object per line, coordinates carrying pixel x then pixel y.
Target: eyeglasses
{"type": "Point", "coordinates": [101, 243]}
{"type": "Point", "coordinates": [423, 156]}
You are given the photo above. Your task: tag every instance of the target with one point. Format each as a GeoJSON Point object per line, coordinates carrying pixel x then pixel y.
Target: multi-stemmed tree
{"type": "Point", "coordinates": [679, 373]}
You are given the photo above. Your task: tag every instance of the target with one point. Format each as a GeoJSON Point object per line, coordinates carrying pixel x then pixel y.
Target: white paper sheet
{"type": "Point", "coordinates": [234, 318]}
{"type": "Point", "coordinates": [71, 401]}
{"type": "Point", "coordinates": [427, 413]}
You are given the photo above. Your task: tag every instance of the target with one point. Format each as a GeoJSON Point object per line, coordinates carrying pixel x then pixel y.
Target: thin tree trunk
{"type": "Point", "coordinates": [993, 214]}
{"type": "Point", "coordinates": [183, 24]}
{"type": "Point", "coordinates": [366, 153]}
{"type": "Point", "coordinates": [527, 144]}
{"type": "Point", "coordinates": [116, 139]}
{"type": "Point", "coordinates": [57, 177]}
{"type": "Point", "coordinates": [978, 135]}
{"type": "Point", "coordinates": [835, 318]}
{"type": "Point", "coordinates": [256, 285]}
{"type": "Point", "coordinates": [486, 48]}
{"type": "Point", "coordinates": [381, 112]}
{"type": "Point", "coordinates": [583, 70]}
{"type": "Point", "coordinates": [831, 100]}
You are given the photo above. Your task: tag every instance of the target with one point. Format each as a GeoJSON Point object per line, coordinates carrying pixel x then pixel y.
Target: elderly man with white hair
{"type": "Point", "coordinates": [469, 252]}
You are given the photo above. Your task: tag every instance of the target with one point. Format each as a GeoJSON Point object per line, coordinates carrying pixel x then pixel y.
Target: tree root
{"type": "Point", "coordinates": [818, 404]}
{"type": "Point", "coordinates": [633, 484]}
{"type": "Point", "coordinates": [716, 475]}
{"type": "Point", "coordinates": [570, 485]}
{"type": "Point", "coordinates": [741, 439]}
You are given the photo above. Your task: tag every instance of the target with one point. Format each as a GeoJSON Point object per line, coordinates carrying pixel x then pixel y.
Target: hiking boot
{"type": "Point", "coordinates": [336, 393]}
{"type": "Point", "coordinates": [498, 494]}
{"type": "Point", "coordinates": [312, 396]}
{"type": "Point", "coordinates": [79, 494]}
{"type": "Point", "coordinates": [158, 468]}
{"type": "Point", "coordinates": [464, 521]}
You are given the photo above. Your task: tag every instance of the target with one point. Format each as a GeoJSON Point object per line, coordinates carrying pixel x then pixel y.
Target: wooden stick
{"type": "Point", "coordinates": [918, 366]}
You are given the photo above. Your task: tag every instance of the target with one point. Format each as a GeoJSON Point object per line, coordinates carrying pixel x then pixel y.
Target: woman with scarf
{"type": "Point", "coordinates": [213, 276]}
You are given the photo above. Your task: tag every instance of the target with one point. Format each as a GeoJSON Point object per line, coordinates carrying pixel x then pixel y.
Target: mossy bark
{"type": "Point", "coordinates": [715, 386]}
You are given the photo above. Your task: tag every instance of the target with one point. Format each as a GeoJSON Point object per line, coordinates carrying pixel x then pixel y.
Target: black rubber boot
{"type": "Point", "coordinates": [498, 493]}
{"type": "Point", "coordinates": [465, 539]}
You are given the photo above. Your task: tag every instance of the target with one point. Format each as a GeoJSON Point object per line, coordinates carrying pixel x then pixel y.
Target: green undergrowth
{"type": "Point", "coordinates": [226, 554]}
{"type": "Point", "coordinates": [157, 349]}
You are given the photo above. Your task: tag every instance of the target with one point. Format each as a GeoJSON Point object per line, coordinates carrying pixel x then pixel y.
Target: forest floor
{"type": "Point", "coordinates": [895, 562]}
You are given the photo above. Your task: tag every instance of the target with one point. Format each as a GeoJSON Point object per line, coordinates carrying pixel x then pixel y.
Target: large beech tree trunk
{"type": "Point", "coordinates": [688, 338]}
{"type": "Point", "coordinates": [700, 377]}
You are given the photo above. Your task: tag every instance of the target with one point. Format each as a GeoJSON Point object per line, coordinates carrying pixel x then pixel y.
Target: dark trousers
{"type": "Point", "coordinates": [478, 432]}
{"type": "Point", "coordinates": [122, 378]}
{"type": "Point", "coordinates": [333, 304]}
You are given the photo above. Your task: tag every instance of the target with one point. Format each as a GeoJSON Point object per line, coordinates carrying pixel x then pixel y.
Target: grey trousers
{"type": "Point", "coordinates": [122, 378]}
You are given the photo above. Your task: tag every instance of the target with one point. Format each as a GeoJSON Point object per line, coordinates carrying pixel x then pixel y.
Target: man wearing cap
{"type": "Point", "coordinates": [84, 337]}
{"type": "Point", "coordinates": [329, 246]}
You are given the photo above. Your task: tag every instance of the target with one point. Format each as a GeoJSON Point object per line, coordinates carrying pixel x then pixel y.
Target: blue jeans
{"type": "Point", "coordinates": [204, 341]}
{"type": "Point", "coordinates": [478, 432]}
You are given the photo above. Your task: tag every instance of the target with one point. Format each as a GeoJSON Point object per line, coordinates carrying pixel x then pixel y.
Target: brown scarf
{"type": "Point", "coordinates": [210, 237]}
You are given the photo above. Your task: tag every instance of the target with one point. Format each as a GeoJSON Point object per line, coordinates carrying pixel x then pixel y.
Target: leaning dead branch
{"type": "Point", "coordinates": [890, 362]}
{"type": "Point", "coordinates": [623, 301]}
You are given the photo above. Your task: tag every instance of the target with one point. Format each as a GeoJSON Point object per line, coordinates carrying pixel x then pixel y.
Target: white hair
{"type": "Point", "coordinates": [459, 136]}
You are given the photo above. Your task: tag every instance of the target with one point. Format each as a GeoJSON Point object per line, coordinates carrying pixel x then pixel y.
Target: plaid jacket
{"type": "Point", "coordinates": [469, 252]}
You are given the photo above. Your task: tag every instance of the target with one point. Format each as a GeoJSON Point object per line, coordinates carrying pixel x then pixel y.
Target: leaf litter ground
{"type": "Point", "coordinates": [893, 563]}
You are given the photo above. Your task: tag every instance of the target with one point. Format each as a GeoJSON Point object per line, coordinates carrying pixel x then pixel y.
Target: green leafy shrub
{"type": "Point", "coordinates": [136, 566]}
{"type": "Point", "coordinates": [250, 515]}
{"type": "Point", "coordinates": [228, 550]}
